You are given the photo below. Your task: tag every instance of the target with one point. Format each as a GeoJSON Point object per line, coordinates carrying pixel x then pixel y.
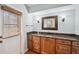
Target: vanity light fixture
{"type": "Point", "coordinates": [38, 20]}
{"type": "Point", "coordinates": [63, 18]}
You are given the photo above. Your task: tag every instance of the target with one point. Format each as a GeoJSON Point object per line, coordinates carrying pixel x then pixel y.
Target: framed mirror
{"type": "Point", "coordinates": [50, 23]}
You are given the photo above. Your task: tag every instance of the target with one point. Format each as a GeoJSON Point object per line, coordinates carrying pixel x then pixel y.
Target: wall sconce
{"type": "Point", "coordinates": [38, 20]}
{"type": "Point", "coordinates": [63, 18]}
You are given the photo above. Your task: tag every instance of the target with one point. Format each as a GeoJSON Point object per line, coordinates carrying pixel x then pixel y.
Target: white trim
{"type": "Point", "coordinates": [13, 7]}
{"type": "Point", "coordinates": [26, 50]}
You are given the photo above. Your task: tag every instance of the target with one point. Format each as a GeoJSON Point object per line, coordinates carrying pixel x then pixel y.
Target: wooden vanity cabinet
{"type": "Point", "coordinates": [36, 44]}
{"type": "Point", "coordinates": [62, 47]}
{"type": "Point", "coordinates": [47, 45]}
{"type": "Point", "coordinates": [30, 41]}
{"type": "Point", "coordinates": [75, 47]}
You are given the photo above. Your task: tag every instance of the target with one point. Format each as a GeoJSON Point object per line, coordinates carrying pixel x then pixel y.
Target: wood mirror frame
{"type": "Point", "coordinates": [51, 19]}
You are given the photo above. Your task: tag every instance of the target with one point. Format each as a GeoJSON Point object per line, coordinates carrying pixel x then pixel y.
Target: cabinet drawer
{"type": "Point", "coordinates": [75, 43]}
{"type": "Point", "coordinates": [75, 50]}
{"type": "Point", "coordinates": [63, 49]}
{"type": "Point", "coordinates": [58, 41]}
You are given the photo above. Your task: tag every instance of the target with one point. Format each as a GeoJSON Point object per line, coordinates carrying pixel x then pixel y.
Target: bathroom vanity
{"type": "Point", "coordinates": [53, 43]}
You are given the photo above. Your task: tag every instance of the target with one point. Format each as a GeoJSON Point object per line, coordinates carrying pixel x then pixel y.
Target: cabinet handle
{"type": "Point", "coordinates": [0, 41]}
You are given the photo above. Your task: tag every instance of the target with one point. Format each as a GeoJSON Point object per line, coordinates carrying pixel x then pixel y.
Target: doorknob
{"type": "Point", "coordinates": [0, 41]}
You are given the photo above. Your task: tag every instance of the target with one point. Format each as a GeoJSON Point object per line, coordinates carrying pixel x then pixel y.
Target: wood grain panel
{"type": "Point", "coordinates": [75, 50]}
{"type": "Point", "coordinates": [47, 45]}
{"type": "Point", "coordinates": [63, 49]}
{"type": "Point", "coordinates": [75, 43]}
{"type": "Point", "coordinates": [30, 42]}
{"type": "Point", "coordinates": [61, 41]}
{"type": "Point", "coordinates": [36, 44]}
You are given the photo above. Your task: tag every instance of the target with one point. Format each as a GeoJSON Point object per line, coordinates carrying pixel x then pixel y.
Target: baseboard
{"type": "Point", "coordinates": [25, 51]}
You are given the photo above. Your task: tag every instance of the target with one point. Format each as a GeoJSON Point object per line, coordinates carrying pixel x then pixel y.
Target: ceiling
{"type": "Point", "coordinates": [39, 7]}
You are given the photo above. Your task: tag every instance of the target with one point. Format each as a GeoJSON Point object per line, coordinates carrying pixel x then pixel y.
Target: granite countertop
{"type": "Point", "coordinates": [59, 36]}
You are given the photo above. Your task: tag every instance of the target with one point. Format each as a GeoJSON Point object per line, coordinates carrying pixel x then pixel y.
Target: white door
{"type": "Point", "coordinates": [12, 45]}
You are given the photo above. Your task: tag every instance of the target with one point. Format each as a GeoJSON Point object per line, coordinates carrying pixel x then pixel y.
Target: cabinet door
{"type": "Point", "coordinates": [30, 42]}
{"type": "Point", "coordinates": [75, 50]}
{"type": "Point", "coordinates": [63, 49]}
{"type": "Point", "coordinates": [36, 44]}
{"type": "Point", "coordinates": [47, 45]}
{"type": "Point", "coordinates": [44, 45]}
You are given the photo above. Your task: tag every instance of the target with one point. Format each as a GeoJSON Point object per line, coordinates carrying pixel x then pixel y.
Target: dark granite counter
{"type": "Point", "coordinates": [59, 36]}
